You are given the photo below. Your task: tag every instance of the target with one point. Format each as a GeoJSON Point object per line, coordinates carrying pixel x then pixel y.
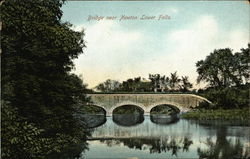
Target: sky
{"type": "Point", "coordinates": [119, 49]}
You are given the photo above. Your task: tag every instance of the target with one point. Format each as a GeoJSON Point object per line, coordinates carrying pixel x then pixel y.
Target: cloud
{"type": "Point", "coordinates": [119, 53]}
{"type": "Point", "coordinates": [109, 53]}
{"type": "Point", "coordinates": [184, 47]}
{"type": "Point", "coordinates": [174, 10]}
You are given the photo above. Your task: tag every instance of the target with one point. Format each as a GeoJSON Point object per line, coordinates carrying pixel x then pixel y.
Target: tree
{"type": "Point", "coordinates": [132, 85]}
{"type": "Point", "coordinates": [243, 62]}
{"type": "Point", "coordinates": [38, 52]}
{"type": "Point", "coordinates": [19, 138]}
{"type": "Point", "coordinates": [174, 81]}
{"type": "Point", "coordinates": [185, 85]}
{"type": "Point", "coordinates": [223, 69]}
{"type": "Point", "coordinates": [108, 86]}
{"type": "Point", "coordinates": [227, 75]}
{"type": "Point", "coordinates": [159, 83]}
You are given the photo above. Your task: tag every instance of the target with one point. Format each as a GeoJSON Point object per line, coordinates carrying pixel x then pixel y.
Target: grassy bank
{"type": "Point", "coordinates": [218, 114]}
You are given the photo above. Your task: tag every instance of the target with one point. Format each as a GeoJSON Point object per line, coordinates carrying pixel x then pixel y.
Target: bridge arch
{"type": "Point", "coordinates": [171, 104]}
{"type": "Point", "coordinates": [172, 107]}
{"type": "Point", "coordinates": [99, 106]}
{"type": "Point", "coordinates": [142, 107]}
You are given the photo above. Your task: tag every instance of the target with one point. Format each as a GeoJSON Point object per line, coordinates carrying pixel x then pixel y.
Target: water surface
{"type": "Point", "coordinates": [152, 137]}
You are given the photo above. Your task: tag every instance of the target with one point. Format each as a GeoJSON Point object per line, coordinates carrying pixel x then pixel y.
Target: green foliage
{"type": "Point", "coordinates": [164, 109]}
{"type": "Point", "coordinates": [174, 81]}
{"type": "Point", "coordinates": [227, 75]}
{"type": "Point", "coordinates": [20, 139]}
{"type": "Point", "coordinates": [223, 69]}
{"type": "Point", "coordinates": [38, 53]}
{"type": "Point", "coordinates": [136, 85]}
{"type": "Point", "coordinates": [185, 85]}
{"type": "Point", "coordinates": [91, 109]}
{"type": "Point", "coordinates": [226, 98]}
{"type": "Point", "coordinates": [156, 83]}
{"type": "Point", "coordinates": [108, 86]}
{"type": "Point", "coordinates": [128, 109]}
{"type": "Point", "coordinates": [218, 114]}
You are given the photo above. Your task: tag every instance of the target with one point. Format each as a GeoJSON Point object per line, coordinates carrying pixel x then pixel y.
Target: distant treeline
{"type": "Point", "coordinates": [154, 83]}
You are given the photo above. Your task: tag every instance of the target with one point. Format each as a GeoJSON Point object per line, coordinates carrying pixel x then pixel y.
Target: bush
{"type": "Point", "coordinates": [226, 98]}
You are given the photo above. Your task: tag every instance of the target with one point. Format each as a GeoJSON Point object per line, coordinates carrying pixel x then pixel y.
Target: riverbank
{"type": "Point", "coordinates": [218, 114]}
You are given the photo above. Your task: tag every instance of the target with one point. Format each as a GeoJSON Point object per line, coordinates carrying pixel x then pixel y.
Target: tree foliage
{"type": "Point", "coordinates": [174, 81]}
{"type": "Point", "coordinates": [38, 52]}
{"type": "Point", "coordinates": [154, 83]}
{"type": "Point", "coordinates": [19, 138]}
{"type": "Point", "coordinates": [108, 86]}
{"type": "Point", "coordinates": [228, 77]}
{"type": "Point", "coordinates": [223, 69]}
{"type": "Point", "coordinates": [185, 85]}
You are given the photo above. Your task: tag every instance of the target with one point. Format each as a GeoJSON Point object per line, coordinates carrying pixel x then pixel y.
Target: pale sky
{"type": "Point", "coordinates": [130, 48]}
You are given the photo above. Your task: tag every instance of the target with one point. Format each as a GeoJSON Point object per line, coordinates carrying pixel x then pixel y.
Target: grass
{"type": "Point", "coordinates": [218, 114]}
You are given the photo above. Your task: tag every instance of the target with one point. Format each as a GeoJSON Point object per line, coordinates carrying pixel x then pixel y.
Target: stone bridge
{"type": "Point", "coordinates": [146, 102]}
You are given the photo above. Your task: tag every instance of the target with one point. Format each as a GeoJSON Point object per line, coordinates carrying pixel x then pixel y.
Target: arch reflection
{"type": "Point", "coordinates": [164, 119]}
{"type": "Point", "coordinates": [93, 116]}
{"type": "Point", "coordinates": [94, 120]}
{"type": "Point", "coordinates": [128, 119]}
{"type": "Point", "coordinates": [128, 115]}
{"type": "Point", "coordinates": [164, 114]}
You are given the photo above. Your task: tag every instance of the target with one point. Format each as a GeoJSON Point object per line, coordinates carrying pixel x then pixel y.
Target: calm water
{"type": "Point", "coordinates": [127, 136]}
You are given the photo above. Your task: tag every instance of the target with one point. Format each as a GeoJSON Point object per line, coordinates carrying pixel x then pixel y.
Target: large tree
{"type": "Point", "coordinates": [217, 69]}
{"type": "Point", "coordinates": [243, 64]}
{"type": "Point", "coordinates": [227, 75]}
{"type": "Point", "coordinates": [37, 56]}
{"type": "Point", "coordinates": [223, 69]}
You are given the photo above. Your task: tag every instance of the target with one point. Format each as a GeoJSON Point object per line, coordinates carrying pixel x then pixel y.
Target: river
{"type": "Point", "coordinates": [154, 137]}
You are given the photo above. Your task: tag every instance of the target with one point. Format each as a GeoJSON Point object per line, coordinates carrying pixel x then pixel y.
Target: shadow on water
{"type": "Point", "coordinates": [92, 116]}
{"type": "Point", "coordinates": [94, 120]}
{"type": "Point", "coordinates": [224, 148]}
{"type": "Point", "coordinates": [163, 119]}
{"type": "Point", "coordinates": [73, 152]}
{"type": "Point", "coordinates": [154, 145]}
{"type": "Point", "coordinates": [128, 119]}
{"type": "Point", "coordinates": [128, 115]}
{"type": "Point", "coordinates": [164, 114]}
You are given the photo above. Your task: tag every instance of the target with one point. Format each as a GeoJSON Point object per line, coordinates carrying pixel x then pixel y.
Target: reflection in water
{"type": "Point", "coordinates": [72, 152]}
{"type": "Point", "coordinates": [164, 119]}
{"type": "Point", "coordinates": [128, 119]}
{"type": "Point", "coordinates": [182, 139]}
{"type": "Point", "coordinates": [127, 135]}
{"type": "Point", "coordinates": [156, 145]}
{"type": "Point", "coordinates": [93, 120]}
{"type": "Point", "coordinates": [223, 148]}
